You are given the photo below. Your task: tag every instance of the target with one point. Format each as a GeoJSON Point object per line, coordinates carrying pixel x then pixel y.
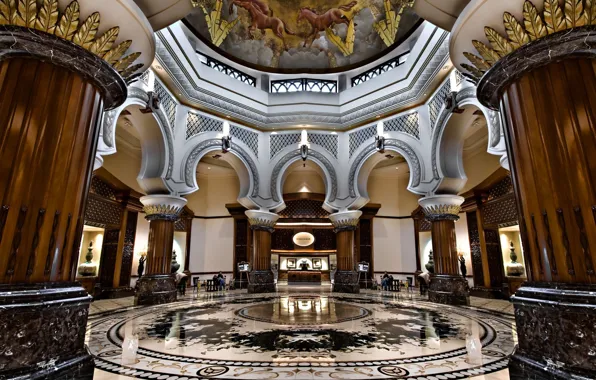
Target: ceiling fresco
{"type": "Point", "coordinates": [302, 35]}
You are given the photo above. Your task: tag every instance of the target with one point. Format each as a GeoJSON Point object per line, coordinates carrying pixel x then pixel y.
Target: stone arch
{"type": "Point", "coordinates": [237, 157]}
{"type": "Point", "coordinates": [281, 166]}
{"type": "Point", "coordinates": [448, 139]}
{"type": "Point", "coordinates": [368, 158]}
{"type": "Point", "coordinates": [157, 141]}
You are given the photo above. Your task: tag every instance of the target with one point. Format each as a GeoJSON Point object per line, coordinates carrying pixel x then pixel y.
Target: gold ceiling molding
{"type": "Point", "coordinates": [387, 28]}
{"type": "Point", "coordinates": [47, 18]}
{"type": "Point", "coordinates": [535, 25]}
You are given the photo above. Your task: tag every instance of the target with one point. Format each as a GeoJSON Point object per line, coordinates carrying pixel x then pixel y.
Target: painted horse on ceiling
{"type": "Point", "coordinates": [320, 22]}
{"type": "Point", "coordinates": [260, 4]}
{"type": "Point", "coordinates": [263, 21]}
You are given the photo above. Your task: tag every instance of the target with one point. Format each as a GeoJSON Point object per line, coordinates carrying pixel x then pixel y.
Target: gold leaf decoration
{"type": "Point", "coordinates": [26, 13]}
{"type": "Point", "coordinates": [535, 25]}
{"type": "Point", "coordinates": [480, 63]}
{"type": "Point", "coordinates": [516, 33]}
{"type": "Point", "coordinates": [553, 16]}
{"type": "Point", "coordinates": [574, 13]}
{"type": "Point", "coordinates": [533, 22]}
{"type": "Point", "coordinates": [47, 17]}
{"type": "Point", "coordinates": [126, 61]}
{"type": "Point", "coordinates": [387, 28]}
{"type": "Point", "coordinates": [346, 47]}
{"type": "Point", "coordinates": [8, 11]}
{"type": "Point", "coordinates": [128, 72]}
{"type": "Point", "coordinates": [590, 12]}
{"type": "Point", "coordinates": [69, 22]}
{"type": "Point", "coordinates": [116, 53]}
{"type": "Point", "coordinates": [487, 53]}
{"type": "Point", "coordinates": [86, 33]}
{"type": "Point", "coordinates": [218, 28]}
{"type": "Point", "coordinates": [498, 42]}
{"type": "Point", "coordinates": [104, 43]}
{"type": "Point", "coordinates": [472, 70]}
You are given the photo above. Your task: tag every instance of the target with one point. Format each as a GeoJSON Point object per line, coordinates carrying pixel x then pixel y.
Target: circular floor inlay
{"type": "Point", "coordinates": [303, 311]}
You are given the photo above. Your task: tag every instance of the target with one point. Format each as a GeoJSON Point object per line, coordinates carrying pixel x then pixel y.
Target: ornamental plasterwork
{"type": "Point", "coordinates": [401, 147]}
{"type": "Point", "coordinates": [207, 145]}
{"type": "Point", "coordinates": [262, 222]}
{"type": "Point", "coordinates": [535, 25]}
{"type": "Point", "coordinates": [328, 166]}
{"type": "Point", "coordinates": [442, 209]}
{"type": "Point", "coordinates": [162, 210]}
{"type": "Point", "coordinates": [68, 26]}
{"type": "Point", "coordinates": [419, 82]}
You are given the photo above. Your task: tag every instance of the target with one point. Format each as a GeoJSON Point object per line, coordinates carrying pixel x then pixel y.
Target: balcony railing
{"type": "Point", "coordinates": [380, 69]}
{"type": "Point", "coordinates": [303, 85]}
{"type": "Point", "coordinates": [228, 70]}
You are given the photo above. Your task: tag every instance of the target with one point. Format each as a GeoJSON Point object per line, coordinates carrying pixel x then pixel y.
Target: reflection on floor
{"type": "Point", "coordinates": [301, 333]}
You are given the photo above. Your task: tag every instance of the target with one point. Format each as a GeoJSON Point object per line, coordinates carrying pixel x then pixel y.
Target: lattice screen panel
{"type": "Point", "coordinates": [102, 189]}
{"type": "Point", "coordinates": [102, 213]}
{"type": "Point", "coordinates": [196, 124]}
{"type": "Point", "coordinates": [407, 124]}
{"type": "Point", "coordinates": [504, 187]}
{"type": "Point", "coordinates": [304, 209]}
{"type": "Point", "coordinates": [279, 142]}
{"type": "Point", "coordinates": [167, 102]}
{"type": "Point", "coordinates": [359, 137]}
{"type": "Point", "coordinates": [501, 211]}
{"type": "Point", "coordinates": [250, 138]}
{"type": "Point", "coordinates": [437, 102]}
{"type": "Point", "coordinates": [327, 141]}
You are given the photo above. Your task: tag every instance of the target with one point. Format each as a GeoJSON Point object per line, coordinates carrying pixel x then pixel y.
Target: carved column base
{"type": "Point", "coordinates": [112, 293]}
{"type": "Point", "coordinates": [346, 282]}
{"type": "Point", "coordinates": [491, 293]}
{"type": "Point", "coordinates": [42, 332]}
{"type": "Point", "coordinates": [261, 282]}
{"type": "Point", "coordinates": [155, 289]}
{"type": "Point", "coordinates": [555, 328]}
{"type": "Point", "coordinates": [449, 290]}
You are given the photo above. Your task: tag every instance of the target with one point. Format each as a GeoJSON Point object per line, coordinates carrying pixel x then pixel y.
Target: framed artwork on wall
{"type": "Point", "coordinates": [316, 263]}
{"type": "Point", "coordinates": [291, 263]}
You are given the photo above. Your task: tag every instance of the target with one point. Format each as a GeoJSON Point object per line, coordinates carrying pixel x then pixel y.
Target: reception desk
{"type": "Point", "coordinates": [302, 277]}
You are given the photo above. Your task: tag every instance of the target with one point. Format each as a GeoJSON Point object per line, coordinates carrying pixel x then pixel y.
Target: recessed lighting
{"type": "Point", "coordinates": [396, 168]}
{"type": "Point", "coordinates": [229, 117]}
{"type": "Point", "coordinates": [425, 94]}
{"type": "Point", "coordinates": [208, 167]}
{"type": "Point", "coordinates": [274, 133]}
{"type": "Point", "coordinates": [378, 117]}
{"type": "Point", "coordinates": [333, 133]}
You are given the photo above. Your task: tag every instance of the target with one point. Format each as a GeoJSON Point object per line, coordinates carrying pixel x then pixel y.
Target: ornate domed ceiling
{"type": "Point", "coordinates": [290, 36]}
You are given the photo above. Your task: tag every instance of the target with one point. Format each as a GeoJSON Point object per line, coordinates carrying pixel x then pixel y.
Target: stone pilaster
{"type": "Point", "coordinates": [262, 224]}
{"type": "Point", "coordinates": [346, 277]}
{"type": "Point", "coordinates": [158, 285]}
{"type": "Point", "coordinates": [535, 62]}
{"type": "Point", "coordinates": [447, 286]}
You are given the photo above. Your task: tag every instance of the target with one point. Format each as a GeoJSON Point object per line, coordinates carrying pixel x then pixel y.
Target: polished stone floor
{"type": "Point", "coordinates": [301, 333]}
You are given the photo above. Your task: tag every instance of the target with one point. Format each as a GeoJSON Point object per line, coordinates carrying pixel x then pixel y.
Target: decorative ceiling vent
{"type": "Point", "coordinates": [407, 124]}
{"type": "Point", "coordinates": [279, 142]}
{"type": "Point", "coordinates": [250, 138]}
{"type": "Point", "coordinates": [360, 136]}
{"type": "Point", "coordinates": [327, 141]}
{"type": "Point", "coordinates": [196, 124]}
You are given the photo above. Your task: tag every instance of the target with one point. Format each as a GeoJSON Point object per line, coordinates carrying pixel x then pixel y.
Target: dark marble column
{"type": "Point", "coordinates": [546, 91]}
{"type": "Point", "coordinates": [158, 284]}
{"type": "Point", "coordinates": [260, 278]}
{"type": "Point", "coordinates": [346, 277]}
{"type": "Point", "coordinates": [52, 94]}
{"type": "Point", "coordinates": [447, 286]}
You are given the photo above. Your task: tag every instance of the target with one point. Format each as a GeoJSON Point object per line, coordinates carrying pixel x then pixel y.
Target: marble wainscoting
{"type": "Point", "coordinates": [307, 335]}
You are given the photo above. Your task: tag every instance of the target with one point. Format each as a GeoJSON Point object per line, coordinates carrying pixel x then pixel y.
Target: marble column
{"type": "Point", "coordinates": [262, 224]}
{"type": "Point", "coordinates": [346, 277]}
{"type": "Point", "coordinates": [54, 86]}
{"type": "Point", "coordinates": [544, 85]}
{"type": "Point", "coordinates": [447, 286]}
{"type": "Point", "coordinates": [158, 284]}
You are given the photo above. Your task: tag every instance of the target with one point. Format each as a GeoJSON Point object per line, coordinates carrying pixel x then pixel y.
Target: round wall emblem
{"type": "Point", "coordinates": [303, 239]}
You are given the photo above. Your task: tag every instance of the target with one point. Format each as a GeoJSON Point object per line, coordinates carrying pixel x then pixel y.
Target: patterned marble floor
{"type": "Point", "coordinates": [301, 333]}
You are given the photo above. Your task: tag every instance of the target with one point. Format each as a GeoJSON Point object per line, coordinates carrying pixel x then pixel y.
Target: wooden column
{"type": "Point", "coordinates": [158, 285]}
{"type": "Point", "coordinates": [446, 285]}
{"type": "Point", "coordinates": [262, 224]}
{"type": "Point", "coordinates": [346, 278]}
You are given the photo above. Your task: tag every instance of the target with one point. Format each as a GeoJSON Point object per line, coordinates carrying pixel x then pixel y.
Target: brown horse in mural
{"type": "Point", "coordinates": [260, 4]}
{"type": "Point", "coordinates": [262, 21]}
{"type": "Point", "coordinates": [320, 22]}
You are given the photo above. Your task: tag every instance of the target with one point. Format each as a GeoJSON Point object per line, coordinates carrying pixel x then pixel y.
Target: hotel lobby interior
{"type": "Point", "coordinates": [297, 189]}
